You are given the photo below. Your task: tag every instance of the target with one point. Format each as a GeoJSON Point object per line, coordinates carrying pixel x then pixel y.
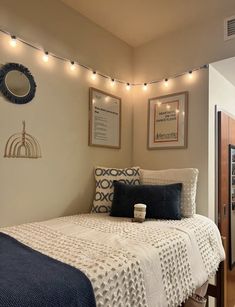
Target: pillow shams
{"type": "Point", "coordinates": [163, 201]}
{"type": "Point", "coordinates": [104, 178]}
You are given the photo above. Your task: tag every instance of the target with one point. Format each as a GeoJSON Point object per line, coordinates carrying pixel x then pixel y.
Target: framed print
{"type": "Point", "coordinates": [167, 121]}
{"type": "Point", "coordinates": [104, 119]}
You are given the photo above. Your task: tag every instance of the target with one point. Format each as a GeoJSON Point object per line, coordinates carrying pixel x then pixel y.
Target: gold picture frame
{"type": "Point", "coordinates": [104, 119]}
{"type": "Point", "coordinates": [168, 121]}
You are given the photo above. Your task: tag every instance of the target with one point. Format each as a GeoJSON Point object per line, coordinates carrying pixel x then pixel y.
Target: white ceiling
{"type": "Point", "coordinates": [139, 21]}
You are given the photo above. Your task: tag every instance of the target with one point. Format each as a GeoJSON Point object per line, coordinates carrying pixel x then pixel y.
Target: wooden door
{"type": "Point", "coordinates": [226, 277]}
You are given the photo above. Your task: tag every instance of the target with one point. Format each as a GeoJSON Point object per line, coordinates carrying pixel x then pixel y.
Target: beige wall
{"type": "Point", "coordinates": [170, 55]}
{"type": "Point", "coordinates": [62, 181]}
{"type": "Point", "coordinates": [196, 153]}
{"type": "Point", "coordinates": [62, 30]}
{"type": "Point", "coordinates": [183, 50]}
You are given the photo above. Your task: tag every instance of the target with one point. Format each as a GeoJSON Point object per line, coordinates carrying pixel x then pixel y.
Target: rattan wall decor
{"type": "Point", "coordinates": [22, 145]}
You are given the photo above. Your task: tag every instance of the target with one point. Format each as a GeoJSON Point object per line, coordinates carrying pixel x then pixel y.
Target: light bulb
{"type": "Point", "coordinates": [166, 82]}
{"type": "Point", "coordinates": [168, 106]}
{"type": "Point", "coordinates": [13, 41]}
{"type": "Point", "coordinates": [145, 86]}
{"type": "Point", "coordinates": [112, 82]}
{"type": "Point", "coordinates": [45, 57]}
{"type": "Point", "coordinates": [93, 76]}
{"type": "Point", "coordinates": [128, 87]}
{"type": "Point", "coordinates": [190, 74]}
{"type": "Point", "coordinates": [72, 66]}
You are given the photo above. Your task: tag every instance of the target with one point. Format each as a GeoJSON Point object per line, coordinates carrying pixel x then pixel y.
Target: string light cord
{"type": "Point", "coordinates": [95, 72]}
{"type": "Point", "coordinates": [62, 58]}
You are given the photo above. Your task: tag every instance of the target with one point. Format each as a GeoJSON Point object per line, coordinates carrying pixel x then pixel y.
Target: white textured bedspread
{"type": "Point", "coordinates": [156, 263]}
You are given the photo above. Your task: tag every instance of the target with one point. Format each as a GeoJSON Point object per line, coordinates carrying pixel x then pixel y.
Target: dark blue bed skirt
{"type": "Point", "coordinates": [31, 279]}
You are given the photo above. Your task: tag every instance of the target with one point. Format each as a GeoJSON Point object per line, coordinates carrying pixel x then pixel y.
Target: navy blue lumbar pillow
{"type": "Point", "coordinates": [163, 201]}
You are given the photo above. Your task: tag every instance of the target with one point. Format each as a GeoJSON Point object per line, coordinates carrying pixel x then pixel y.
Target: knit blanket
{"type": "Point", "coordinates": [31, 279]}
{"type": "Point", "coordinates": [154, 264]}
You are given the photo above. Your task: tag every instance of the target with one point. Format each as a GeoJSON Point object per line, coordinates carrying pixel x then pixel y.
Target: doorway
{"type": "Point", "coordinates": [226, 213]}
{"type": "Point", "coordinates": [221, 133]}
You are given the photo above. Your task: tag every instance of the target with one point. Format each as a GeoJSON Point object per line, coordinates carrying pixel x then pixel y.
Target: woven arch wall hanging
{"type": "Point", "coordinates": [22, 145]}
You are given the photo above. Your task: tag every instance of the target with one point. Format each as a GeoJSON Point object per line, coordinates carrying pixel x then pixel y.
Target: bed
{"type": "Point", "coordinates": [157, 263]}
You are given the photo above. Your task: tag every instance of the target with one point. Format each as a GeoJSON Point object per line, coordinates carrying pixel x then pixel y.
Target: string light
{"type": "Point", "coordinates": [93, 76]}
{"type": "Point", "coordinates": [45, 56]}
{"type": "Point", "coordinates": [112, 82]}
{"type": "Point", "coordinates": [13, 41]}
{"type": "Point", "coordinates": [72, 66]}
{"type": "Point", "coordinates": [145, 86]}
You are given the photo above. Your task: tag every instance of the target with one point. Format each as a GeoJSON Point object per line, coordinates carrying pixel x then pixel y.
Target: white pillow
{"type": "Point", "coordinates": [104, 178]}
{"type": "Point", "coordinates": [186, 176]}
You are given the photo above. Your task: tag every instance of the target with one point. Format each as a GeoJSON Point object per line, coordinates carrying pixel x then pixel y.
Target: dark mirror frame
{"type": "Point", "coordinates": [4, 70]}
{"type": "Point", "coordinates": [231, 203]}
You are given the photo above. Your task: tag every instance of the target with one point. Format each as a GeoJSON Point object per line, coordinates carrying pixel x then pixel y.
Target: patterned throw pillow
{"type": "Point", "coordinates": [104, 178]}
{"type": "Point", "coordinates": [186, 176]}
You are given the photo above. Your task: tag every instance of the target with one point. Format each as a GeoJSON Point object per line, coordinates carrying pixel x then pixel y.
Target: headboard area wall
{"type": "Point", "coordinates": [61, 181]}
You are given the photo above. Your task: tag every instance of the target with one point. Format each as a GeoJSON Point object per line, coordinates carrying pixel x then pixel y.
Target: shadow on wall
{"type": "Point", "coordinates": [79, 204]}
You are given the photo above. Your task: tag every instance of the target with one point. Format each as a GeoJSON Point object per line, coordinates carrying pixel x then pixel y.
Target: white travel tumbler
{"type": "Point", "coordinates": [139, 212]}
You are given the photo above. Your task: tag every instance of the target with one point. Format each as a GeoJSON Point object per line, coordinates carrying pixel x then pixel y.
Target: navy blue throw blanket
{"type": "Point", "coordinates": [31, 279]}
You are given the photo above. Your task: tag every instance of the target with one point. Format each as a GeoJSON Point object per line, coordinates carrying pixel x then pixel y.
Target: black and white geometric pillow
{"type": "Point", "coordinates": [104, 178]}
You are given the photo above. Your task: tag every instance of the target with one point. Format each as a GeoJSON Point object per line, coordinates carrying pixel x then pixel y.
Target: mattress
{"type": "Point", "coordinates": [155, 263]}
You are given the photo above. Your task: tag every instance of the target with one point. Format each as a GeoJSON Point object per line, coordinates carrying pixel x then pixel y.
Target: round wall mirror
{"type": "Point", "coordinates": [16, 83]}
